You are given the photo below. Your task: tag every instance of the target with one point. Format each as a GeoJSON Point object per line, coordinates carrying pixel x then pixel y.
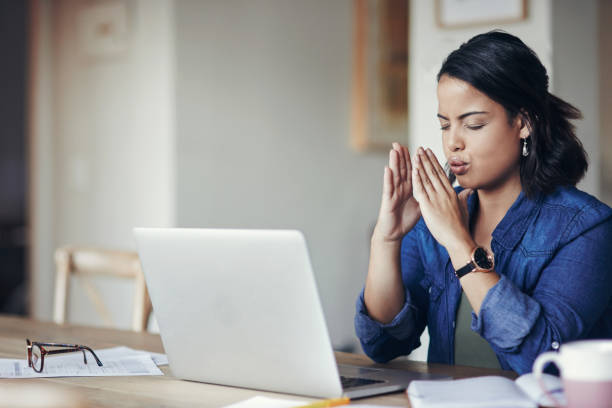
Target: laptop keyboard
{"type": "Point", "coordinates": [352, 382]}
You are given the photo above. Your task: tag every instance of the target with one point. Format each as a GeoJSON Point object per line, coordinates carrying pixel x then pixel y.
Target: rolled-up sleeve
{"type": "Point", "coordinates": [401, 327]}
{"type": "Point", "coordinates": [506, 316]}
{"type": "Point", "coordinates": [383, 342]}
{"type": "Point", "coordinates": [571, 296]}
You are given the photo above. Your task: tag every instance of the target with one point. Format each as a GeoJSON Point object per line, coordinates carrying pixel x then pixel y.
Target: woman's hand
{"type": "Point", "coordinates": [444, 212]}
{"type": "Point", "coordinates": [399, 211]}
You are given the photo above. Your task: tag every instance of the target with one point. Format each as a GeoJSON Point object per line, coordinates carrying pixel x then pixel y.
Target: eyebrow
{"type": "Point", "coordinates": [463, 115]}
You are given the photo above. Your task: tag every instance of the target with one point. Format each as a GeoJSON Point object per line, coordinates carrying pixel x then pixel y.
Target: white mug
{"type": "Point", "coordinates": [586, 372]}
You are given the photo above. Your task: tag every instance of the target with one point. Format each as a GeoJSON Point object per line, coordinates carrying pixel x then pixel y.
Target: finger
{"type": "Point", "coordinates": [429, 177]}
{"type": "Point", "coordinates": [406, 156]}
{"type": "Point", "coordinates": [418, 190]}
{"type": "Point", "coordinates": [463, 197]}
{"type": "Point", "coordinates": [408, 163]}
{"type": "Point", "coordinates": [440, 171]}
{"type": "Point", "coordinates": [387, 183]}
{"type": "Point", "coordinates": [394, 166]}
{"type": "Point", "coordinates": [402, 162]}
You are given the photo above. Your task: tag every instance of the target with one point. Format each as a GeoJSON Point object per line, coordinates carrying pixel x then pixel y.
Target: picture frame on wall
{"type": "Point", "coordinates": [379, 105]}
{"type": "Point", "coordinates": [467, 13]}
{"type": "Point", "coordinates": [103, 29]}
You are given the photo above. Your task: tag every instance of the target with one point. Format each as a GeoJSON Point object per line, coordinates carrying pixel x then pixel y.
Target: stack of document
{"type": "Point", "coordinates": [117, 361]}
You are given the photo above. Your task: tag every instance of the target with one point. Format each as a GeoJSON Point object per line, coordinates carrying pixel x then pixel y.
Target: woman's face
{"type": "Point", "coordinates": [481, 146]}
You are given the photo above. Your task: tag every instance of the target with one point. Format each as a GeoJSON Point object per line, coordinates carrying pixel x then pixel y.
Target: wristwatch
{"type": "Point", "coordinates": [481, 261]}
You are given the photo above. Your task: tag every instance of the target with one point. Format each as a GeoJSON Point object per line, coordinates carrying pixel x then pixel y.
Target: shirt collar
{"type": "Point", "coordinates": [512, 227]}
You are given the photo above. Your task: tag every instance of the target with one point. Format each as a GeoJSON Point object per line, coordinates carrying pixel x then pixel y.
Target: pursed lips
{"type": "Point", "coordinates": [457, 166]}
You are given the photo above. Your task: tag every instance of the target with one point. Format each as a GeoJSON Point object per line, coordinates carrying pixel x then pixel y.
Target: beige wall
{"type": "Point", "coordinates": [226, 113]}
{"type": "Point", "coordinates": [104, 141]}
{"type": "Point", "coordinates": [263, 91]}
{"type": "Point", "coordinates": [262, 118]}
{"type": "Point", "coordinates": [575, 59]}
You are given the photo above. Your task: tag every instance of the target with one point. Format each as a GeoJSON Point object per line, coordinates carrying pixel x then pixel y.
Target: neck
{"type": "Point", "coordinates": [494, 203]}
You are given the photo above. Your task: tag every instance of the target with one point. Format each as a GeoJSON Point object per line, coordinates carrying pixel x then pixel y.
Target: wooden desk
{"type": "Point", "coordinates": [167, 391]}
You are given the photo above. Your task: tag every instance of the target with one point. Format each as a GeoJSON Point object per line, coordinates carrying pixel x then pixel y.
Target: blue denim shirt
{"type": "Point", "coordinates": [554, 257]}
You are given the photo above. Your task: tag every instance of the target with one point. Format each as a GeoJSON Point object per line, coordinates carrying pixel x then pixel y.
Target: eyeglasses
{"type": "Point", "coordinates": [36, 353]}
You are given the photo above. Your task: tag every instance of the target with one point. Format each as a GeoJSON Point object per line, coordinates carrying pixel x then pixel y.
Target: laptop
{"type": "Point", "coordinates": [241, 308]}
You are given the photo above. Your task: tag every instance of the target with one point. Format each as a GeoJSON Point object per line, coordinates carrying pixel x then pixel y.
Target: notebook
{"type": "Point", "coordinates": [241, 308]}
{"type": "Point", "coordinates": [485, 392]}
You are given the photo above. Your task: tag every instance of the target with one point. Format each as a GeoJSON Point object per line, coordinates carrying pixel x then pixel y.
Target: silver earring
{"type": "Point", "coordinates": [525, 151]}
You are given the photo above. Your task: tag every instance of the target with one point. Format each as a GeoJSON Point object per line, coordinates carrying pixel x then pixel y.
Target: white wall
{"type": "Point", "coordinates": [605, 98]}
{"type": "Point", "coordinates": [112, 157]}
{"type": "Point", "coordinates": [262, 102]}
{"type": "Point", "coordinates": [263, 93]}
{"type": "Point", "coordinates": [575, 39]}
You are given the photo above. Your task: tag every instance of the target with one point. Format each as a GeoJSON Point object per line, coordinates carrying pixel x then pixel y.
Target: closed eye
{"type": "Point", "coordinates": [475, 127]}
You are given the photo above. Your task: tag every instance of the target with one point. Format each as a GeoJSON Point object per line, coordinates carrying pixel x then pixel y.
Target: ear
{"type": "Point", "coordinates": [524, 125]}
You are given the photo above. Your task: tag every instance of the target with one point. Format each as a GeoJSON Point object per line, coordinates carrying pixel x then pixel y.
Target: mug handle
{"type": "Point", "coordinates": [538, 368]}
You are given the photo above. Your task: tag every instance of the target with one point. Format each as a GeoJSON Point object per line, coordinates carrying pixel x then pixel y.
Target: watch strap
{"type": "Point", "coordinates": [461, 272]}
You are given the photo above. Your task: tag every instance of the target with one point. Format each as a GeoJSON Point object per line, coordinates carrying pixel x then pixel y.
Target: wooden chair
{"type": "Point", "coordinates": [87, 262]}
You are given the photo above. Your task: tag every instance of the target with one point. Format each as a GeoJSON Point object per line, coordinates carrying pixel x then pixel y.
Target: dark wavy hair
{"type": "Point", "coordinates": [502, 67]}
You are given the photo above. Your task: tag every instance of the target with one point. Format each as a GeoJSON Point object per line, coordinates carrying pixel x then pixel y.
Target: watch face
{"type": "Point", "coordinates": [482, 259]}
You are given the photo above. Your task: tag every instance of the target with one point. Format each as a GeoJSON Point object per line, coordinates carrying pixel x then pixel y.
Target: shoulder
{"type": "Point", "coordinates": [572, 198]}
{"type": "Point", "coordinates": [574, 211]}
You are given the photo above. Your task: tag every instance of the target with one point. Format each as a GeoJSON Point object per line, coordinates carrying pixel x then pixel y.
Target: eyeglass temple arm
{"type": "Point", "coordinates": [57, 344]}
{"type": "Point", "coordinates": [74, 348]}
{"type": "Point", "coordinates": [92, 353]}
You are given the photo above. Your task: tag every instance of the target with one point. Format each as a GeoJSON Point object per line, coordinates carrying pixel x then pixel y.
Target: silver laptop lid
{"type": "Point", "coordinates": [239, 308]}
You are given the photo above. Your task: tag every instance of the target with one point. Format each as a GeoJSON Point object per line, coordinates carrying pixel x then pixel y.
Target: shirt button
{"type": "Point", "coordinates": [555, 345]}
{"type": "Point", "coordinates": [430, 289]}
{"type": "Point", "coordinates": [453, 325]}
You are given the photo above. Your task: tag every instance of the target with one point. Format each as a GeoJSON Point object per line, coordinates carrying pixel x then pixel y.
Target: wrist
{"type": "Point", "coordinates": [379, 238]}
{"type": "Point", "coordinates": [379, 241]}
{"type": "Point", "coordinates": [461, 252]}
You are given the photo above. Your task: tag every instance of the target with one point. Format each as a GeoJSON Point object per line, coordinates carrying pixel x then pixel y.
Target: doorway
{"type": "Point", "coordinates": [13, 148]}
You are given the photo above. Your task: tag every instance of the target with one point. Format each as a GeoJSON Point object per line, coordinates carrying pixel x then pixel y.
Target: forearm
{"type": "Point", "coordinates": [476, 285]}
{"type": "Point", "coordinates": [521, 326]}
{"type": "Point", "coordinates": [384, 293]}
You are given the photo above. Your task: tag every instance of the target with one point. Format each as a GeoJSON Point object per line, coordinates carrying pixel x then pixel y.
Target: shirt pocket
{"type": "Point", "coordinates": [432, 288]}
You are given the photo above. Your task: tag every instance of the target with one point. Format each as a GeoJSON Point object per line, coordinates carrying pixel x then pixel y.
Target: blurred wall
{"type": "Point", "coordinates": [263, 91]}
{"type": "Point", "coordinates": [228, 113]}
{"type": "Point", "coordinates": [576, 79]}
{"type": "Point", "coordinates": [107, 122]}
{"type": "Point", "coordinates": [262, 125]}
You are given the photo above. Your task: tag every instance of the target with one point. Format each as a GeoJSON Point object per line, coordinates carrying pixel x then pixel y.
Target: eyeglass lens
{"type": "Point", "coordinates": [36, 358]}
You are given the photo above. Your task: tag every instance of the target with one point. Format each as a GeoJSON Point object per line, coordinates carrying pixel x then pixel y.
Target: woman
{"type": "Point", "coordinates": [516, 260]}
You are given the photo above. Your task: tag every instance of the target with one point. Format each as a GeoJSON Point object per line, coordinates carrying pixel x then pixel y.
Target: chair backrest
{"type": "Point", "coordinates": [87, 262]}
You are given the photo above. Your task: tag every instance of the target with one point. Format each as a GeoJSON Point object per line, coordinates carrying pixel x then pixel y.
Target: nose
{"type": "Point", "coordinates": [454, 141]}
